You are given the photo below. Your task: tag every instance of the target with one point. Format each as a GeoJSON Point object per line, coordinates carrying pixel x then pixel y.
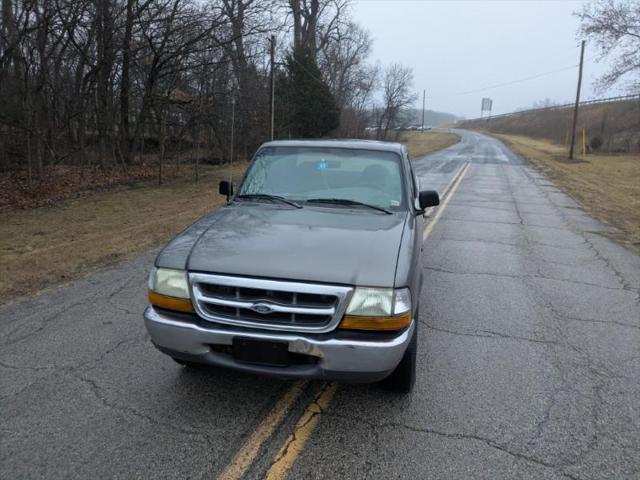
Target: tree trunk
{"type": "Point", "coordinates": [125, 134]}
{"type": "Point", "coordinates": [197, 158]}
{"type": "Point", "coordinates": [296, 12]}
{"type": "Point", "coordinates": [104, 21]}
{"type": "Point", "coordinates": [163, 134]}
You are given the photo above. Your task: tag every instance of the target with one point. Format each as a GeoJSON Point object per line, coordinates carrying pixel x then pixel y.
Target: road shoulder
{"type": "Point", "coordinates": [607, 186]}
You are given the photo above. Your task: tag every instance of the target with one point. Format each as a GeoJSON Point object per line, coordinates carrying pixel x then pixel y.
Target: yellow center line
{"type": "Point", "coordinates": [446, 189]}
{"type": "Point", "coordinates": [250, 449]}
{"type": "Point", "coordinates": [445, 202]}
{"type": "Point", "coordinates": [289, 452]}
{"type": "Point", "coordinates": [293, 446]}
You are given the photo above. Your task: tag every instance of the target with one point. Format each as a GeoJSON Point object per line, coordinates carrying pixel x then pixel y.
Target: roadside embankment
{"type": "Point", "coordinates": [420, 144]}
{"type": "Point", "coordinates": [45, 246]}
{"type": "Point", "coordinates": [606, 127]}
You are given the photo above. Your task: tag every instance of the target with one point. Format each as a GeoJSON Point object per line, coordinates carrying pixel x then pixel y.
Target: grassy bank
{"type": "Point", "coordinates": [606, 185]}
{"type": "Point", "coordinates": [46, 246]}
{"type": "Point", "coordinates": [420, 144]}
{"type": "Point", "coordinates": [615, 126]}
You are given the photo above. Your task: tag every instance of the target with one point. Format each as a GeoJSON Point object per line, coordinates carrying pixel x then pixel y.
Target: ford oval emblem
{"type": "Point", "coordinates": [262, 308]}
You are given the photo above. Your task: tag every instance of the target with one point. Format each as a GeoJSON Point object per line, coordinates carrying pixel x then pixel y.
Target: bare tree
{"type": "Point", "coordinates": [546, 103]}
{"type": "Point", "coordinates": [315, 21]}
{"type": "Point", "coordinates": [343, 61]}
{"type": "Point", "coordinates": [397, 94]}
{"type": "Point", "coordinates": [615, 27]}
{"type": "Point", "coordinates": [245, 43]}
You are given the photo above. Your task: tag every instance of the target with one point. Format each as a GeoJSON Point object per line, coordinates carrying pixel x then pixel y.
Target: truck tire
{"type": "Point", "coordinates": [403, 377]}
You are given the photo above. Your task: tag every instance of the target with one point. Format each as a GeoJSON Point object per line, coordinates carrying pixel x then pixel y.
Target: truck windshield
{"type": "Point", "coordinates": [309, 173]}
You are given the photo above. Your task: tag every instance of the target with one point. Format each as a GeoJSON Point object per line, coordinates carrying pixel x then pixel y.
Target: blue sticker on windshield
{"type": "Point", "coordinates": [322, 165]}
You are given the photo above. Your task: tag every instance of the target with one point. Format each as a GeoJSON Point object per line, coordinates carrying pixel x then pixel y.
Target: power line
{"type": "Point", "coordinates": [504, 84]}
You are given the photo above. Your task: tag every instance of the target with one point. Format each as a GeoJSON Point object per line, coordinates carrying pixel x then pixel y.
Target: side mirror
{"type": "Point", "coordinates": [225, 188]}
{"type": "Point", "coordinates": [428, 198]}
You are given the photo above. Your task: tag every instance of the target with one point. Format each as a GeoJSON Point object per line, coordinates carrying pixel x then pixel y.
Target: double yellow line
{"type": "Point", "coordinates": [450, 189]}
{"type": "Point", "coordinates": [292, 448]}
{"type": "Point", "coordinates": [243, 459]}
{"type": "Point", "coordinates": [295, 442]}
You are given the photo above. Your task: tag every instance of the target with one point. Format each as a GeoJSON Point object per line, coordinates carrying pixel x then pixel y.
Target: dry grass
{"type": "Point", "coordinates": [420, 144]}
{"type": "Point", "coordinates": [607, 185]}
{"type": "Point", "coordinates": [45, 246]}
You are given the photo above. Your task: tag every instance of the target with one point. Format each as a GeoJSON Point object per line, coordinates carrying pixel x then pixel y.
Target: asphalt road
{"type": "Point", "coordinates": [529, 361]}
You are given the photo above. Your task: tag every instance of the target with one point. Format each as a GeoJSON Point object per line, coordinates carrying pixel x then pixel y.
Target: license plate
{"type": "Point", "coordinates": [259, 352]}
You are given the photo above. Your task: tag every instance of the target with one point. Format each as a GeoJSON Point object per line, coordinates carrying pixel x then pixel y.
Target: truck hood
{"type": "Point", "coordinates": [329, 245]}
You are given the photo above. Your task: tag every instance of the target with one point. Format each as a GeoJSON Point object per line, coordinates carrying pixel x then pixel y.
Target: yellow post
{"type": "Point", "coordinates": [584, 141]}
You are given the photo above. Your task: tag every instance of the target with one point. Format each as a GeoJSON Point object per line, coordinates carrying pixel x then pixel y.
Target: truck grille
{"type": "Point", "coordinates": [269, 304]}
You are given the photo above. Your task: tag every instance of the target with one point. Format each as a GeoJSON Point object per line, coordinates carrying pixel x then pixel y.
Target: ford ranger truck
{"type": "Point", "coordinates": [311, 270]}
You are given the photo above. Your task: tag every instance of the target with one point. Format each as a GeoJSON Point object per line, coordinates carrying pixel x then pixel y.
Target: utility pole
{"type": "Point", "coordinates": [424, 96]}
{"type": "Point", "coordinates": [575, 108]}
{"type": "Point", "coordinates": [273, 84]}
{"type": "Point", "coordinates": [233, 126]}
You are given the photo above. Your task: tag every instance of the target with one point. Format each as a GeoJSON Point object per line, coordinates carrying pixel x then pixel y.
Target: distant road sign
{"type": "Point", "coordinates": [487, 103]}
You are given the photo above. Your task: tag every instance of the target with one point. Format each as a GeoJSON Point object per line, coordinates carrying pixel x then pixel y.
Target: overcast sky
{"type": "Point", "coordinates": [461, 46]}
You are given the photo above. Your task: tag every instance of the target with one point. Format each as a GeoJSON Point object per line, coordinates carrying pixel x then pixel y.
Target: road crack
{"type": "Point", "coordinates": [502, 447]}
{"type": "Point", "coordinates": [314, 409]}
{"type": "Point", "coordinates": [489, 334]}
{"type": "Point", "coordinates": [537, 275]}
{"type": "Point", "coordinates": [96, 390]}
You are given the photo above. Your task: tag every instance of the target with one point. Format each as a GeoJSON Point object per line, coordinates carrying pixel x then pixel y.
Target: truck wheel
{"type": "Point", "coordinates": [403, 377]}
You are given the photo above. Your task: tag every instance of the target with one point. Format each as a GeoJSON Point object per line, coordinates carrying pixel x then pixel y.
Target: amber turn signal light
{"type": "Point", "coordinates": [393, 322]}
{"type": "Point", "coordinates": [170, 303]}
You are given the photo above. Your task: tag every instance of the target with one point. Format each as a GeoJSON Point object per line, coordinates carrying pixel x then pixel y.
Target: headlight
{"type": "Point", "coordinates": [378, 309]}
{"type": "Point", "coordinates": [172, 283]}
{"type": "Point", "coordinates": [169, 288]}
{"type": "Point", "coordinates": [371, 301]}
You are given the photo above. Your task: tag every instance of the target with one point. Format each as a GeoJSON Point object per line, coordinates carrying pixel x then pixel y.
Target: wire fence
{"type": "Point", "coordinates": [622, 98]}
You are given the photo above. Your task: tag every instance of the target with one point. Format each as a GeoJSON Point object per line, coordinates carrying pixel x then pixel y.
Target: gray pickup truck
{"type": "Point", "coordinates": [311, 269]}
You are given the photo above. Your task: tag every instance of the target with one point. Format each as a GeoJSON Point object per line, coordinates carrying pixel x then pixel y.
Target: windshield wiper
{"type": "Point", "coordinates": [346, 201]}
{"type": "Point", "coordinates": [266, 196]}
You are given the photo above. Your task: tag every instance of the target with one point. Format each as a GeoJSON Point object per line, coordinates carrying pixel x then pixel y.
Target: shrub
{"type": "Point", "coordinates": [595, 143]}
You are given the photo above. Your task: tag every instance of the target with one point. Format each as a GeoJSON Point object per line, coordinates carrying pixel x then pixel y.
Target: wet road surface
{"type": "Point", "coordinates": [529, 361]}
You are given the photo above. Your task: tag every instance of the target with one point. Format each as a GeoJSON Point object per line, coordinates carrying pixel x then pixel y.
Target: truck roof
{"type": "Point", "coordinates": [340, 143]}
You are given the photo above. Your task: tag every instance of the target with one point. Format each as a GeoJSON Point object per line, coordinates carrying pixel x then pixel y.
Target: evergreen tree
{"type": "Point", "coordinates": [314, 111]}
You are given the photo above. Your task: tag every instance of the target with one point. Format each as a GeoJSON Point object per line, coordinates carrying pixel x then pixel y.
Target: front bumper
{"type": "Point", "coordinates": [337, 358]}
